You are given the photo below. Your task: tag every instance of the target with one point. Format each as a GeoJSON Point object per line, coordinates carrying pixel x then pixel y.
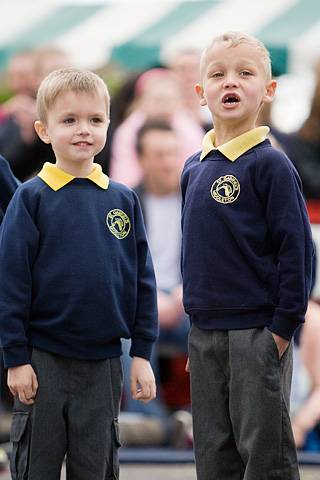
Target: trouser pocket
{"type": "Point", "coordinates": [113, 461]}
{"type": "Point", "coordinates": [20, 438]}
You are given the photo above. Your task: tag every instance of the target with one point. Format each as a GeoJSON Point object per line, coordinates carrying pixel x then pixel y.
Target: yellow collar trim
{"type": "Point", "coordinates": [235, 147]}
{"type": "Point", "coordinates": [57, 178]}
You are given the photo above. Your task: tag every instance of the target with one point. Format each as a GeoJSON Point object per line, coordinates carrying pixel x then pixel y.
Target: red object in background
{"type": "Point", "coordinates": [175, 388]}
{"type": "Point", "coordinates": [313, 207]}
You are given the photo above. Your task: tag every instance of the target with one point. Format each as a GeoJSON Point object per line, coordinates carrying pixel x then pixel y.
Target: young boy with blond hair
{"type": "Point", "coordinates": [76, 277]}
{"type": "Point", "coordinates": [246, 263]}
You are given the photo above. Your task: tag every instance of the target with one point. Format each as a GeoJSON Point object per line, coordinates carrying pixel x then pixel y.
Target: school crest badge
{"type": "Point", "coordinates": [118, 223]}
{"type": "Point", "coordinates": [225, 189]}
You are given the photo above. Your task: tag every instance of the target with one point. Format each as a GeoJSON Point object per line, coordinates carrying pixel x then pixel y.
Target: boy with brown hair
{"type": "Point", "coordinates": [76, 277]}
{"type": "Point", "coordinates": [246, 263]}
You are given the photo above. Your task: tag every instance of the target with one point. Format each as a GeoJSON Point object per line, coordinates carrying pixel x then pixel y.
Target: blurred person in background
{"type": "Point", "coordinates": [159, 194]}
{"type": "Point", "coordinates": [305, 394]}
{"type": "Point", "coordinates": [305, 397]}
{"type": "Point", "coordinates": [185, 64]}
{"type": "Point", "coordinates": [21, 73]}
{"type": "Point", "coordinates": [306, 382]}
{"type": "Point", "coordinates": [18, 141]}
{"type": "Point", "coordinates": [8, 185]}
{"type": "Point", "coordinates": [18, 113]}
{"type": "Point", "coordinates": [123, 97]}
{"type": "Point", "coordinates": [264, 118]}
{"type": "Point", "coordinates": [157, 96]}
{"type": "Point", "coordinates": [48, 59]}
{"type": "Point", "coordinates": [303, 146]}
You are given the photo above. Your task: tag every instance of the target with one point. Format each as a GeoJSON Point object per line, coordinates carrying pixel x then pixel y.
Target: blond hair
{"type": "Point", "coordinates": [65, 80]}
{"type": "Point", "coordinates": [234, 39]}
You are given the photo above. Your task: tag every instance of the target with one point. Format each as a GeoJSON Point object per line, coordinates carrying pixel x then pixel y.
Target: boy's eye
{"type": "Point", "coordinates": [216, 74]}
{"type": "Point", "coordinates": [68, 120]}
{"type": "Point", "coordinates": [245, 73]}
{"type": "Point", "coordinates": [97, 120]}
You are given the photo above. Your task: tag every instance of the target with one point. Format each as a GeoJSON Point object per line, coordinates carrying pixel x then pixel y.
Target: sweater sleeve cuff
{"type": "Point", "coordinates": [141, 347]}
{"type": "Point", "coordinates": [284, 327]}
{"type": "Point", "coordinates": [15, 356]}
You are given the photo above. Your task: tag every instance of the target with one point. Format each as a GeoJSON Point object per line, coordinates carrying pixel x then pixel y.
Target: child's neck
{"type": "Point", "coordinates": [79, 170]}
{"type": "Point", "coordinates": [226, 132]}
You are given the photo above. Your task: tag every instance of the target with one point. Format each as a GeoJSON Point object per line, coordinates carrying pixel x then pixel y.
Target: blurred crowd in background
{"type": "Point", "coordinates": [156, 123]}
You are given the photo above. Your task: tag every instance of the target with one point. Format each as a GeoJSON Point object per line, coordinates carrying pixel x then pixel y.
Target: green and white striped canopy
{"type": "Point", "coordinates": [137, 33]}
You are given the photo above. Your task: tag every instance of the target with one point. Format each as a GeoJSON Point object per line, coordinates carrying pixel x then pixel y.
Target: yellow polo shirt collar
{"type": "Point", "coordinates": [57, 178]}
{"type": "Point", "coordinates": [235, 147]}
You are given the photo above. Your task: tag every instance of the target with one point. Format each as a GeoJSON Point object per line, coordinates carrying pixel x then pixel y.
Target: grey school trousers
{"type": "Point", "coordinates": [240, 403]}
{"type": "Point", "coordinates": [75, 414]}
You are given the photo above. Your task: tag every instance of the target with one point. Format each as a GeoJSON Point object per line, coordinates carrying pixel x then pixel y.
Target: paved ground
{"type": "Point", "coordinates": [175, 472]}
{"type": "Point", "coordinates": [182, 472]}
{"type": "Point", "coordinates": [170, 471]}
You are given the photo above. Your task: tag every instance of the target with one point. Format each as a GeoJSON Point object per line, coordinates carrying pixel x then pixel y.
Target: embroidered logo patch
{"type": "Point", "coordinates": [225, 189]}
{"type": "Point", "coordinates": [118, 223]}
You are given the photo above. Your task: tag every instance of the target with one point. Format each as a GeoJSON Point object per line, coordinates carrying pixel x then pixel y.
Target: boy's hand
{"type": "Point", "coordinates": [282, 343]}
{"type": "Point", "coordinates": [143, 385]}
{"type": "Point", "coordinates": [187, 367]}
{"type": "Point", "coordinates": [23, 383]}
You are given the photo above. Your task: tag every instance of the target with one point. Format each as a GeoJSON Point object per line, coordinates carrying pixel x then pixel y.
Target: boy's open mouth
{"type": "Point", "coordinates": [230, 98]}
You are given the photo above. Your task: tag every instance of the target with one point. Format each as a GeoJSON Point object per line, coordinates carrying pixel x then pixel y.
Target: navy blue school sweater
{"type": "Point", "coordinates": [8, 185]}
{"type": "Point", "coordinates": [76, 272]}
{"type": "Point", "coordinates": [247, 248]}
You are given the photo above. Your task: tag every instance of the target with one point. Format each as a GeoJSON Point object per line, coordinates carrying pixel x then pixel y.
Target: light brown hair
{"type": "Point", "coordinates": [234, 39]}
{"type": "Point", "coordinates": [65, 80]}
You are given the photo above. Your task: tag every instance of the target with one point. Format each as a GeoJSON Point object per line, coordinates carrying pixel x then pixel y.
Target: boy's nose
{"type": "Point", "coordinates": [230, 82]}
{"type": "Point", "coordinates": [83, 129]}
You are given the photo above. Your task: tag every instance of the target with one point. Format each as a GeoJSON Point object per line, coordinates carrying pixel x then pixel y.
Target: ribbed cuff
{"type": "Point", "coordinates": [284, 327]}
{"type": "Point", "coordinates": [15, 356]}
{"type": "Point", "coordinates": [140, 347]}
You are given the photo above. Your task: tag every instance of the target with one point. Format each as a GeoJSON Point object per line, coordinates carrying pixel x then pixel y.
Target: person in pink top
{"type": "Point", "coordinates": [307, 417]}
{"type": "Point", "coordinates": [157, 97]}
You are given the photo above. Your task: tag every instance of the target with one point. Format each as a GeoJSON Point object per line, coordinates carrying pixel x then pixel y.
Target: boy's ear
{"type": "Point", "coordinates": [42, 131]}
{"type": "Point", "coordinates": [270, 91]}
{"type": "Point", "coordinates": [200, 93]}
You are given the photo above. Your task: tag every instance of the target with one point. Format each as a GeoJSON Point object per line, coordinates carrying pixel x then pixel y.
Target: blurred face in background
{"type": "Point", "coordinates": [161, 99]}
{"type": "Point", "coordinates": [26, 70]}
{"type": "Point", "coordinates": [186, 66]}
{"type": "Point", "coordinates": [21, 74]}
{"type": "Point", "coordinates": [159, 161]}
{"type": "Point", "coordinates": [47, 60]}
